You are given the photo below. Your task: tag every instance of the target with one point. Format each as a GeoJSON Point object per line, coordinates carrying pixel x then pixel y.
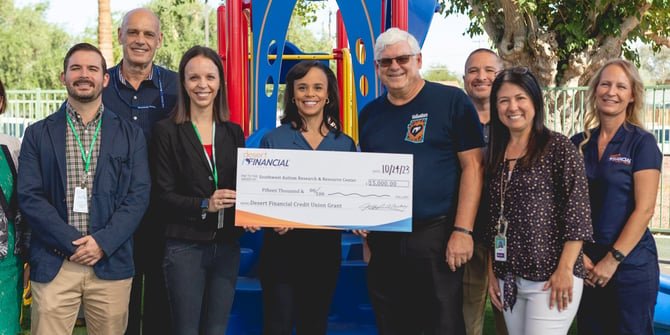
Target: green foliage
{"type": "Point", "coordinates": [304, 38]}
{"type": "Point", "coordinates": [36, 60]}
{"type": "Point", "coordinates": [441, 73]}
{"type": "Point", "coordinates": [655, 70]}
{"type": "Point", "coordinates": [577, 26]}
{"type": "Point", "coordinates": [32, 49]}
{"type": "Point", "coordinates": [183, 26]}
{"type": "Point", "coordinates": [305, 10]}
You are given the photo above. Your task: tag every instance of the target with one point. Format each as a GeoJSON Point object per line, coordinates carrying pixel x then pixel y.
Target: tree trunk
{"type": "Point", "coordinates": [521, 40]}
{"type": "Point", "coordinates": [105, 31]}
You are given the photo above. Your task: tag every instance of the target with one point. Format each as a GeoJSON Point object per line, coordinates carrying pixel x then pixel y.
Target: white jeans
{"type": "Point", "coordinates": [531, 314]}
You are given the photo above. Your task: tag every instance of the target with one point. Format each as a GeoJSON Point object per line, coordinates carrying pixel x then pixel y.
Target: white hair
{"type": "Point", "coordinates": [392, 36]}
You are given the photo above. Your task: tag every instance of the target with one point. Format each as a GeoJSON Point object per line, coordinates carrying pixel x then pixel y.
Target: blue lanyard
{"type": "Point", "coordinates": [115, 78]}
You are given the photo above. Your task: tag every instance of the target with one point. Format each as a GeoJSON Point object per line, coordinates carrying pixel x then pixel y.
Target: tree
{"type": "Point", "coordinates": [565, 41]}
{"type": "Point", "coordinates": [299, 34]}
{"type": "Point", "coordinates": [439, 72]}
{"type": "Point", "coordinates": [655, 70]}
{"type": "Point", "coordinates": [105, 35]}
{"type": "Point", "coordinates": [34, 61]}
{"type": "Point", "coordinates": [183, 26]}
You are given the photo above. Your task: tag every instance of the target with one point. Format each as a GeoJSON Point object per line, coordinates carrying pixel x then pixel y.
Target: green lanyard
{"type": "Point", "coordinates": [212, 167]}
{"type": "Point", "coordinates": [87, 158]}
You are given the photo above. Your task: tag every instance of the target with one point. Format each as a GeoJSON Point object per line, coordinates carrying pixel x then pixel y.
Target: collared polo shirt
{"type": "Point", "coordinates": [151, 102]}
{"type": "Point", "coordinates": [611, 185]}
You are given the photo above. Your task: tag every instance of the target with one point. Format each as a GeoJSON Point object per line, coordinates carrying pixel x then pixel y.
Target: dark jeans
{"type": "Point", "coordinates": [411, 287]}
{"type": "Point", "coordinates": [305, 303]}
{"type": "Point", "coordinates": [626, 304]}
{"type": "Point", "coordinates": [200, 280]}
{"type": "Point", "coordinates": [148, 288]}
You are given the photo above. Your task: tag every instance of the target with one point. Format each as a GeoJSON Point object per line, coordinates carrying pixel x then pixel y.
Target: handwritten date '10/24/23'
{"type": "Point", "coordinates": [391, 169]}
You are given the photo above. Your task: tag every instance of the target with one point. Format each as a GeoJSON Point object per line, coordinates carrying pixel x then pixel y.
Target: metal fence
{"type": "Point", "coordinates": [27, 106]}
{"type": "Point", "coordinates": [564, 106]}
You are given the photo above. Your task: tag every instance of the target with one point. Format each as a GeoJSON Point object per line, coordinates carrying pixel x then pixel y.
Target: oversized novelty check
{"type": "Point", "coordinates": [324, 189]}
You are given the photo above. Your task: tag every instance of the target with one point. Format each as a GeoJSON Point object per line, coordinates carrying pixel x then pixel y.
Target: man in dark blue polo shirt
{"type": "Point", "coordinates": [144, 93]}
{"type": "Point", "coordinates": [415, 279]}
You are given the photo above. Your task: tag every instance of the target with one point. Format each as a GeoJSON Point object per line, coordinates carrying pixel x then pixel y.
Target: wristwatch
{"type": "Point", "coordinates": [204, 204]}
{"type": "Point", "coordinates": [618, 255]}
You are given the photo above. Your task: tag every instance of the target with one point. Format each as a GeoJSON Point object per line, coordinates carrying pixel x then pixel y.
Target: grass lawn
{"type": "Point", "coordinates": [489, 325]}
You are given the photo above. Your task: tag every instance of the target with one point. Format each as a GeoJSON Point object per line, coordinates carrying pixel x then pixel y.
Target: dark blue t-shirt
{"type": "Point", "coordinates": [151, 102]}
{"type": "Point", "coordinates": [437, 124]}
{"type": "Point", "coordinates": [611, 185]}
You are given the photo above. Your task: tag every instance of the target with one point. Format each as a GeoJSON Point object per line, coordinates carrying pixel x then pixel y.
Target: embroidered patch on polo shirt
{"type": "Point", "coordinates": [416, 129]}
{"type": "Point", "coordinates": [618, 159]}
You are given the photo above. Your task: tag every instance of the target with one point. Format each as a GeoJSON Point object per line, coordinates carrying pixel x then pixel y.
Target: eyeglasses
{"type": "Point", "coordinates": [160, 92]}
{"type": "Point", "coordinates": [401, 60]}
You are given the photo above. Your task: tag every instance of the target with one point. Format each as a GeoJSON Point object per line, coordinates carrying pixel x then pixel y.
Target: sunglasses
{"type": "Point", "coordinates": [401, 60]}
{"type": "Point", "coordinates": [520, 70]}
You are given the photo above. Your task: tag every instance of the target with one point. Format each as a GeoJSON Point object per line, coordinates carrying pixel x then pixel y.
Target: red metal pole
{"type": "Point", "coordinates": [399, 14]}
{"type": "Point", "coordinates": [245, 61]}
{"type": "Point", "coordinates": [342, 42]}
{"type": "Point", "coordinates": [234, 64]}
{"type": "Point", "coordinates": [221, 33]}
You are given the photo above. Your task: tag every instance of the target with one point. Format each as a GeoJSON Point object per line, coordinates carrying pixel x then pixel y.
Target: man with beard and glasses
{"type": "Point", "coordinates": [144, 93]}
{"type": "Point", "coordinates": [83, 186]}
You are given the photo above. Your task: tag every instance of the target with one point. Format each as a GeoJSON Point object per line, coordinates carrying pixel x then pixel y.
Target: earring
{"type": "Point", "coordinates": [293, 100]}
{"type": "Point", "coordinates": [327, 101]}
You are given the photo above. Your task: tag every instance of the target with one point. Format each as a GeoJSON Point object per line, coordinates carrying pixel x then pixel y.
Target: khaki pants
{"type": "Point", "coordinates": [56, 303]}
{"type": "Point", "coordinates": [475, 289]}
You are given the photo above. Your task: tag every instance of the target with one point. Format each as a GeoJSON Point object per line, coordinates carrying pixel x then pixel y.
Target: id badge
{"type": "Point", "coordinates": [500, 250]}
{"type": "Point", "coordinates": [219, 223]}
{"type": "Point", "coordinates": [80, 204]}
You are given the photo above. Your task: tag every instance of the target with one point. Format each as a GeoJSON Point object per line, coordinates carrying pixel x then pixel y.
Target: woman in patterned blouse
{"type": "Point", "coordinates": [539, 209]}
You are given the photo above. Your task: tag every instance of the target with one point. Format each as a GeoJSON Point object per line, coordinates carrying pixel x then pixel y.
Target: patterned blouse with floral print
{"type": "Point", "coordinates": [546, 205]}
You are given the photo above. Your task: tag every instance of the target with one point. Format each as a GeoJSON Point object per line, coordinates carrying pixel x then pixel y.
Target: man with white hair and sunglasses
{"type": "Point", "coordinates": [415, 279]}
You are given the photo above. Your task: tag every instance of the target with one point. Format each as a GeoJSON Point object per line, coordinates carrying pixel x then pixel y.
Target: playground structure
{"type": "Point", "coordinates": [256, 56]}
{"type": "Point", "coordinates": [255, 69]}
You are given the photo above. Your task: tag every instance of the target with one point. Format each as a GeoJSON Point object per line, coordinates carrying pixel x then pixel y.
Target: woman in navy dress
{"type": "Point", "coordinates": [299, 268]}
{"type": "Point", "coordinates": [623, 166]}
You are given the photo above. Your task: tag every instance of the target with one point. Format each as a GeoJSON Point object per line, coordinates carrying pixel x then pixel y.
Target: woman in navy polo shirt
{"type": "Point", "coordinates": [623, 166]}
{"type": "Point", "coordinates": [299, 268]}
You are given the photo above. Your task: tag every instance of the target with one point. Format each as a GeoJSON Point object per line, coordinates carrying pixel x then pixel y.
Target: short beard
{"type": "Point", "coordinates": [72, 94]}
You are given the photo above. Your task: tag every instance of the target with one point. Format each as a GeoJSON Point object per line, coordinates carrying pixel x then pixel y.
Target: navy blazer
{"type": "Point", "coordinates": [119, 197]}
